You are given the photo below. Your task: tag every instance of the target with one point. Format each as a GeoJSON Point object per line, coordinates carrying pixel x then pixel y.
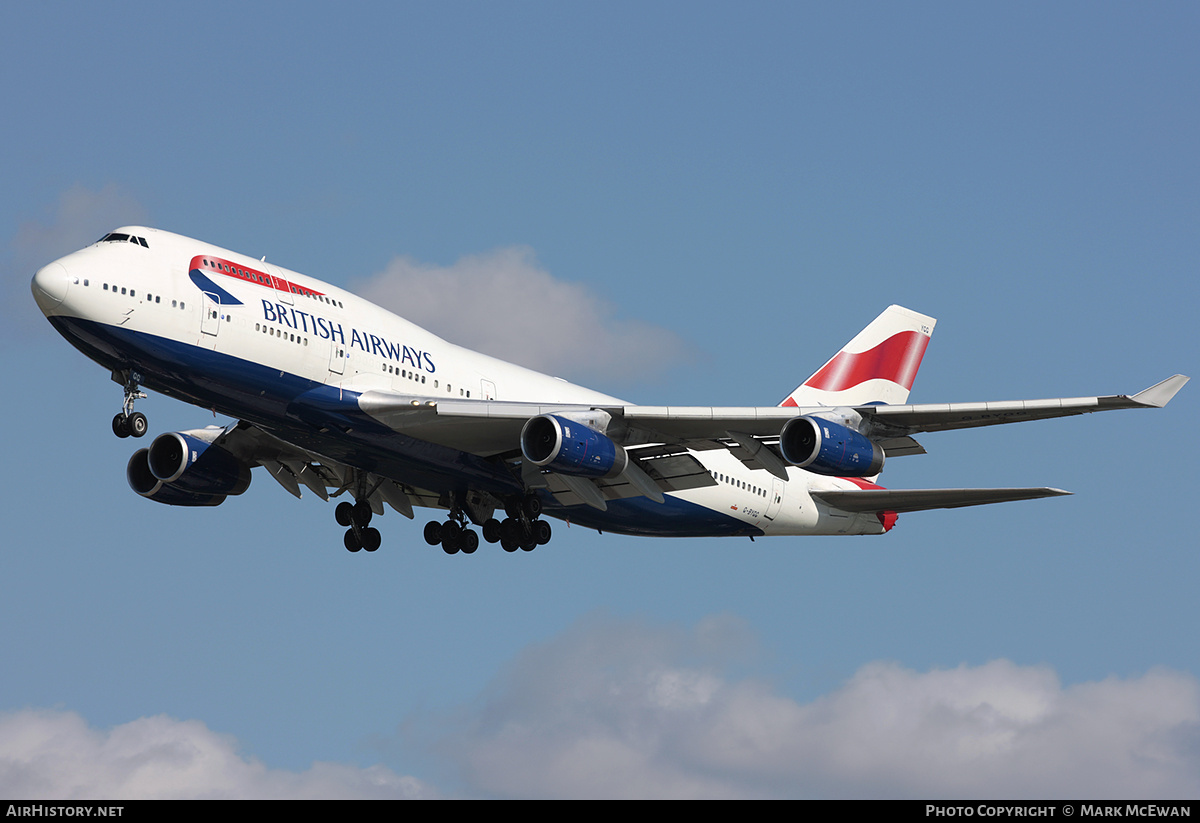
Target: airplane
{"type": "Point", "coordinates": [343, 398]}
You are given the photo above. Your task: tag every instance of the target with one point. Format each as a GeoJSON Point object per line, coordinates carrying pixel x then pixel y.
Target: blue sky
{"type": "Point", "coordinates": [722, 196]}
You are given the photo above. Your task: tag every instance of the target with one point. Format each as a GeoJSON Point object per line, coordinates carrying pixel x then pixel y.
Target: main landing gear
{"type": "Point", "coordinates": [521, 529]}
{"type": "Point", "coordinates": [128, 422]}
{"type": "Point", "coordinates": [357, 516]}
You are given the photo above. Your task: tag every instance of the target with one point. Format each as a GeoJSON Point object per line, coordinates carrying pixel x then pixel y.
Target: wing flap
{"type": "Point", "coordinates": [670, 473]}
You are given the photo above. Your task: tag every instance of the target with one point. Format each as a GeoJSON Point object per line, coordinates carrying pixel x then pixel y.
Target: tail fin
{"type": "Point", "coordinates": [877, 366]}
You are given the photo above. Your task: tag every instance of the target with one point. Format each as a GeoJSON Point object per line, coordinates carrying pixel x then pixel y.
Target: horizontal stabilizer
{"type": "Point", "coordinates": [915, 500]}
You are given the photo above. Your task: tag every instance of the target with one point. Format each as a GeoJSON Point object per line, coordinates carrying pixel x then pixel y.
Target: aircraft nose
{"type": "Point", "coordinates": [50, 285]}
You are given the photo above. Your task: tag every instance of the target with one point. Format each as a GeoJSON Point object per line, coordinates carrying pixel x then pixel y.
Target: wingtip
{"type": "Point", "coordinates": [1160, 394]}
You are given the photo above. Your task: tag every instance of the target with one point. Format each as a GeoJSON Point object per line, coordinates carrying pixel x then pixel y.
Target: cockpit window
{"type": "Point", "coordinates": [117, 237]}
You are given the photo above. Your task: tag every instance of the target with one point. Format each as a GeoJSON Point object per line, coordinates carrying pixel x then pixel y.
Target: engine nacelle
{"type": "Point", "coordinates": [147, 485]}
{"type": "Point", "coordinates": [824, 447]}
{"type": "Point", "coordinates": [569, 447]}
{"type": "Point", "coordinates": [182, 469]}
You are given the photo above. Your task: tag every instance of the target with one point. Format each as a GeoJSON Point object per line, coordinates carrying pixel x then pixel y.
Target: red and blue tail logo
{"type": "Point", "coordinates": [878, 366]}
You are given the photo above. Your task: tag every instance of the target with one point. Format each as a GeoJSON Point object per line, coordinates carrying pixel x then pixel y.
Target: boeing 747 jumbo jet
{"type": "Point", "coordinates": [337, 395]}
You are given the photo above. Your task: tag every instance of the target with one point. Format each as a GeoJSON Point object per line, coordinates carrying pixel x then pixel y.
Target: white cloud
{"type": "Point", "coordinates": [56, 755]}
{"type": "Point", "coordinates": [619, 709]}
{"type": "Point", "coordinates": [503, 303]}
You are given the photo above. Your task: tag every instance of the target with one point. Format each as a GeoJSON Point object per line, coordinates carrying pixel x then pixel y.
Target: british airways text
{"type": "Point", "coordinates": [330, 330]}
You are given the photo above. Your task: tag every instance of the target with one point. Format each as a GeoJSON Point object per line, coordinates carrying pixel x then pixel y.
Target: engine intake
{"type": "Point", "coordinates": [180, 469]}
{"type": "Point", "coordinates": [569, 447]}
{"type": "Point", "coordinates": [824, 447]}
{"type": "Point", "coordinates": [142, 481]}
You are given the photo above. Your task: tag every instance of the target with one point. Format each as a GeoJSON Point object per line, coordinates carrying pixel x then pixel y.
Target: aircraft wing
{"type": "Point", "coordinates": [493, 427]}
{"type": "Point", "coordinates": [930, 417]}
{"type": "Point", "coordinates": [915, 500]}
{"type": "Point", "coordinates": [292, 467]}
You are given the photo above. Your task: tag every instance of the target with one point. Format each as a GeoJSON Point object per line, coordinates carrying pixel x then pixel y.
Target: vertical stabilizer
{"type": "Point", "coordinates": [878, 366]}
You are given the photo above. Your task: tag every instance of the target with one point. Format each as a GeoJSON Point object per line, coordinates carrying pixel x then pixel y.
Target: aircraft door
{"type": "Point", "coordinates": [283, 290]}
{"type": "Point", "coordinates": [210, 314]}
{"type": "Point", "coordinates": [337, 357]}
{"type": "Point", "coordinates": [776, 499]}
{"type": "Point", "coordinates": [487, 390]}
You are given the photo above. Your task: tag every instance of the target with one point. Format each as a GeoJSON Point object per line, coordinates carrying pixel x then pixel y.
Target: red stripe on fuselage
{"type": "Point", "coordinates": [218, 265]}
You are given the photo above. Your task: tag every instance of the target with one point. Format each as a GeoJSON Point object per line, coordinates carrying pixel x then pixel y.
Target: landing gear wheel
{"type": "Point", "coordinates": [541, 532]}
{"type": "Point", "coordinates": [351, 540]}
{"type": "Point", "coordinates": [508, 545]}
{"type": "Point", "coordinates": [371, 539]}
{"type": "Point", "coordinates": [137, 424]}
{"type": "Point", "coordinates": [362, 513]}
{"type": "Point", "coordinates": [451, 537]}
{"type": "Point", "coordinates": [469, 541]}
{"type": "Point", "coordinates": [120, 425]}
{"type": "Point", "coordinates": [491, 530]}
{"type": "Point", "coordinates": [532, 506]}
{"type": "Point", "coordinates": [433, 532]}
{"type": "Point", "coordinates": [344, 513]}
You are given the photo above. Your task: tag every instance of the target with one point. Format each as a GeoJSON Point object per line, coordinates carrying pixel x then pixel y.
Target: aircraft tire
{"type": "Point", "coordinates": [491, 531]}
{"type": "Point", "coordinates": [362, 513]}
{"type": "Point", "coordinates": [541, 532]}
{"type": "Point", "coordinates": [344, 513]}
{"type": "Point", "coordinates": [120, 426]}
{"type": "Point", "coordinates": [138, 424]}
{"type": "Point", "coordinates": [433, 532]}
{"type": "Point", "coordinates": [371, 539]}
{"type": "Point", "coordinates": [452, 537]}
{"type": "Point", "coordinates": [469, 541]}
{"type": "Point", "coordinates": [351, 541]}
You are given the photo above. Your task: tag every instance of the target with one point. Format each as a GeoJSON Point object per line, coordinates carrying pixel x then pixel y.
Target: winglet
{"type": "Point", "coordinates": [1160, 394]}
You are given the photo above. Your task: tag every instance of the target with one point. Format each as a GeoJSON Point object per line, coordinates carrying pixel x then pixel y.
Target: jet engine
{"type": "Point", "coordinates": [824, 447]}
{"type": "Point", "coordinates": [181, 469]}
{"type": "Point", "coordinates": [568, 447]}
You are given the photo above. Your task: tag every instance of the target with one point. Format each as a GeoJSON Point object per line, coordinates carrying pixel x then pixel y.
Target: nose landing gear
{"type": "Point", "coordinates": [128, 422]}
